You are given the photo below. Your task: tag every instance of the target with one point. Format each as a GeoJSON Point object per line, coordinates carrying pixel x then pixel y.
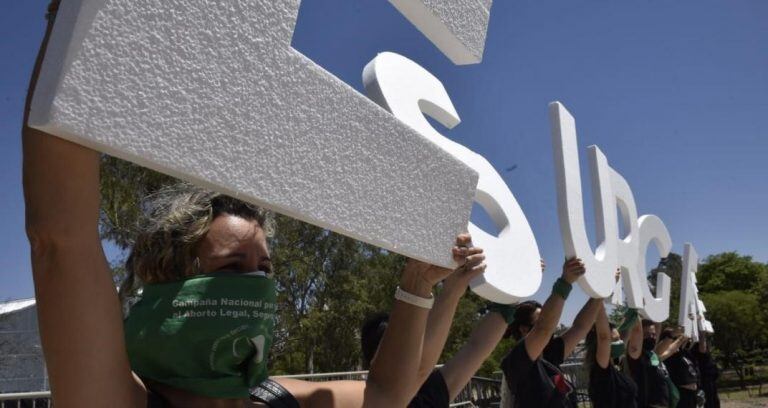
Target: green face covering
{"type": "Point", "coordinates": [209, 334]}
{"type": "Point", "coordinates": [617, 349]}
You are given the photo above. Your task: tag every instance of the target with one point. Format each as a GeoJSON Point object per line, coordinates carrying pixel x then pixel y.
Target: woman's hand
{"type": "Point", "coordinates": [573, 269]}
{"type": "Point", "coordinates": [420, 277]}
{"type": "Point", "coordinates": [471, 262]}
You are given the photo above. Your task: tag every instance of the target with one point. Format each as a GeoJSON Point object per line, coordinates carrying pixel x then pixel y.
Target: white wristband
{"type": "Point", "coordinates": [412, 299]}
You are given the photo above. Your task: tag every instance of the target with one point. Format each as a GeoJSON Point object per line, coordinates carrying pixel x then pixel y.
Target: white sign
{"type": "Point", "coordinates": [457, 27]}
{"type": "Point", "coordinates": [610, 190]}
{"type": "Point", "coordinates": [213, 93]}
{"type": "Point", "coordinates": [691, 316]}
{"type": "Point", "coordinates": [409, 92]}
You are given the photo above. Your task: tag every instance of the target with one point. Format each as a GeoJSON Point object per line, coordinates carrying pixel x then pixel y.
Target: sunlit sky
{"type": "Point", "coordinates": [674, 93]}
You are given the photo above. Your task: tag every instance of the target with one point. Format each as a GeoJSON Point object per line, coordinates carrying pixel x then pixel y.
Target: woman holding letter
{"type": "Point", "coordinates": [200, 335]}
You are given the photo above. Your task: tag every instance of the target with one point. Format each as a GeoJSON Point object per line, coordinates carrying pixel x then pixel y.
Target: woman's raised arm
{"type": "Point", "coordinates": [79, 313]}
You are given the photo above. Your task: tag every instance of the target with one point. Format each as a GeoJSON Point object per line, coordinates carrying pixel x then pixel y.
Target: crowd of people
{"type": "Point", "coordinates": [199, 249]}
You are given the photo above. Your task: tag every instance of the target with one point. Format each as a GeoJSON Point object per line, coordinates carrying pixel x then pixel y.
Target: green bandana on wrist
{"type": "Point", "coordinates": [562, 288]}
{"type": "Point", "coordinates": [617, 349]}
{"type": "Point", "coordinates": [208, 334]}
{"type": "Point", "coordinates": [630, 318]}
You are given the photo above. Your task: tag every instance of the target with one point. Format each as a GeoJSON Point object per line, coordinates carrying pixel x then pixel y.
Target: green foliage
{"type": "Point", "coordinates": [734, 290]}
{"type": "Point", "coordinates": [123, 186]}
{"type": "Point", "coordinates": [730, 271]}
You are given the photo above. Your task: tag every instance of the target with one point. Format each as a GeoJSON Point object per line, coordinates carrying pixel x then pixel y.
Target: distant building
{"type": "Point", "coordinates": [22, 367]}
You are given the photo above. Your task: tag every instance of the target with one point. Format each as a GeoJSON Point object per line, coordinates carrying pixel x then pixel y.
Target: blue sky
{"type": "Point", "coordinates": [674, 93]}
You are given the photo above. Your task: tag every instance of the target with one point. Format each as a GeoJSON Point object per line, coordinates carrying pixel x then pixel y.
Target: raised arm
{"type": "Point", "coordinates": [670, 348]}
{"type": "Point", "coordinates": [392, 380]}
{"type": "Point", "coordinates": [703, 343]}
{"type": "Point", "coordinates": [78, 311]}
{"type": "Point", "coordinates": [582, 324]}
{"type": "Point", "coordinates": [459, 370]}
{"type": "Point", "coordinates": [545, 326]}
{"type": "Point", "coordinates": [603, 331]}
{"type": "Point", "coordinates": [634, 340]}
{"type": "Point", "coordinates": [441, 315]}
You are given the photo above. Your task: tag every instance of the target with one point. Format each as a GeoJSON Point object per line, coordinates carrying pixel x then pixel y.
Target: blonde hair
{"type": "Point", "coordinates": [175, 219]}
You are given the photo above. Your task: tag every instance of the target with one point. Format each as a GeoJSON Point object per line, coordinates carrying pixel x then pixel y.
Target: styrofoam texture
{"type": "Point", "coordinates": [409, 92]}
{"type": "Point", "coordinates": [213, 93]}
{"type": "Point", "coordinates": [610, 191]}
{"type": "Point", "coordinates": [457, 27]}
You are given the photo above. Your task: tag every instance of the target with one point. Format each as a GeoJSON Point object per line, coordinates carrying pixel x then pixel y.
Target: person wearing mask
{"type": "Point", "coordinates": [645, 366]}
{"type": "Point", "coordinates": [202, 262]}
{"type": "Point", "coordinates": [608, 386]}
{"type": "Point", "coordinates": [532, 377]}
{"type": "Point", "coordinates": [682, 370]}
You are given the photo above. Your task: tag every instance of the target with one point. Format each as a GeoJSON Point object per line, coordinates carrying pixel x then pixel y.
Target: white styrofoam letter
{"type": "Point", "coordinates": [691, 313]}
{"type": "Point", "coordinates": [610, 190]}
{"type": "Point", "coordinates": [458, 28]}
{"type": "Point", "coordinates": [653, 307]}
{"type": "Point", "coordinates": [598, 281]}
{"type": "Point", "coordinates": [409, 92]}
{"type": "Point", "coordinates": [212, 92]}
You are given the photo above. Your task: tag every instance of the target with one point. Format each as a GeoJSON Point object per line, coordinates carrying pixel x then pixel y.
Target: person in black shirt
{"type": "Point", "coordinates": [608, 387]}
{"type": "Point", "coordinates": [444, 384]}
{"type": "Point", "coordinates": [531, 369]}
{"type": "Point", "coordinates": [680, 365]}
{"type": "Point", "coordinates": [645, 367]}
{"type": "Point", "coordinates": [708, 372]}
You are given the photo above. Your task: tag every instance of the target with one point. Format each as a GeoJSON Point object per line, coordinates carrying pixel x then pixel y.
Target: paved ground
{"type": "Point", "coordinates": [761, 402]}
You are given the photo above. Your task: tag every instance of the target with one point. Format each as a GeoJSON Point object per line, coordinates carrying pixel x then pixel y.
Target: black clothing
{"type": "Point", "coordinates": [652, 389]}
{"type": "Point", "coordinates": [682, 369]}
{"type": "Point", "coordinates": [687, 398]}
{"type": "Point", "coordinates": [708, 374]}
{"type": "Point", "coordinates": [274, 395]}
{"type": "Point", "coordinates": [433, 393]}
{"type": "Point", "coordinates": [609, 388]}
{"type": "Point", "coordinates": [539, 383]}
{"type": "Point", "coordinates": [268, 392]}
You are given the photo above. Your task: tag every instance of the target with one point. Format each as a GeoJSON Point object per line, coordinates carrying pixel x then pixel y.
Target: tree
{"type": "Point", "coordinates": [739, 326]}
{"type": "Point", "coordinates": [730, 271]}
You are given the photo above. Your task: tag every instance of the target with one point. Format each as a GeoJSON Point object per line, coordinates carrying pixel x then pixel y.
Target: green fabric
{"type": "Point", "coordinates": [506, 311]}
{"type": "Point", "coordinates": [562, 288]}
{"type": "Point", "coordinates": [209, 334]}
{"type": "Point", "coordinates": [674, 393]}
{"type": "Point", "coordinates": [654, 359]}
{"type": "Point", "coordinates": [617, 349]}
{"type": "Point", "coordinates": [630, 318]}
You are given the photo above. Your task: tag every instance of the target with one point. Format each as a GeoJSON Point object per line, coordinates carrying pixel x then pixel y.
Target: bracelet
{"type": "Point", "coordinates": [506, 311]}
{"type": "Point", "coordinates": [412, 299]}
{"type": "Point", "coordinates": [561, 288]}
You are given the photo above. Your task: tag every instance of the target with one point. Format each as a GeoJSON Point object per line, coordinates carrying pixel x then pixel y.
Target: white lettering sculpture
{"type": "Point", "coordinates": [212, 92]}
{"type": "Point", "coordinates": [409, 92]}
{"type": "Point", "coordinates": [610, 190]}
{"type": "Point", "coordinates": [457, 27]}
{"type": "Point", "coordinates": [691, 315]}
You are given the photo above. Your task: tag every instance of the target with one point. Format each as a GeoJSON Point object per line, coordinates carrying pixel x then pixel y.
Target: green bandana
{"type": "Point", "coordinates": [208, 334]}
{"type": "Point", "coordinates": [617, 349]}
